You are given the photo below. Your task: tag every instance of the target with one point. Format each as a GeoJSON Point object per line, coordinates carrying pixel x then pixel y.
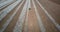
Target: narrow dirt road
{"type": "Point", "coordinates": [32, 22]}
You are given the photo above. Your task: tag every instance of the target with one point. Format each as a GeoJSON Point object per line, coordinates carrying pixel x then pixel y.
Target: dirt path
{"type": "Point", "coordinates": [31, 21]}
